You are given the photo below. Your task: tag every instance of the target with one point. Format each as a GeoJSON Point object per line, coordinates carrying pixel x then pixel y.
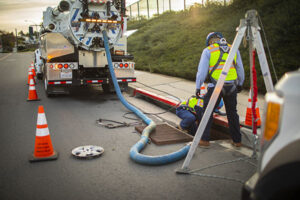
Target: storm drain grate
{"type": "Point", "coordinates": [166, 134]}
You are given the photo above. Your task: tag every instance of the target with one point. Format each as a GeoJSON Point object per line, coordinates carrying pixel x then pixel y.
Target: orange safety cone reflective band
{"type": "Point", "coordinates": [30, 73]}
{"type": "Point", "coordinates": [248, 119]}
{"type": "Point", "coordinates": [43, 148]}
{"type": "Point", "coordinates": [32, 69]}
{"type": "Point", "coordinates": [32, 95]}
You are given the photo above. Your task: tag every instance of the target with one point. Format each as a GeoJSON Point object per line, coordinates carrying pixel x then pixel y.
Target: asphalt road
{"type": "Point", "coordinates": [71, 121]}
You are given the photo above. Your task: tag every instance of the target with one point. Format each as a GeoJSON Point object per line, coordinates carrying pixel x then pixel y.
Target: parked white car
{"type": "Point", "coordinates": [278, 173]}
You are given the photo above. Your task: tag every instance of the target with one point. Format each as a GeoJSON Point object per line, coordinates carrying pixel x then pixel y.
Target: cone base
{"type": "Point", "coordinates": [32, 158]}
{"type": "Point", "coordinates": [248, 126]}
{"type": "Point", "coordinates": [33, 99]}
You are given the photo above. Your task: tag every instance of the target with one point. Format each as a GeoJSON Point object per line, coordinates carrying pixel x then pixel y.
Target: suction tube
{"type": "Point", "coordinates": [135, 149]}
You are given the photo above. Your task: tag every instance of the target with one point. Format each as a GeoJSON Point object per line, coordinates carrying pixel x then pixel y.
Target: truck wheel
{"type": "Point", "coordinates": [47, 88]}
{"type": "Point", "coordinates": [39, 76]}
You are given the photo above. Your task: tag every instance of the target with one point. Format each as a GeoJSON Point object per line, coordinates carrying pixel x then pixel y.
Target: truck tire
{"type": "Point", "coordinates": [280, 183]}
{"type": "Point", "coordinates": [47, 88]}
{"type": "Point", "coordinates": [39, 76]}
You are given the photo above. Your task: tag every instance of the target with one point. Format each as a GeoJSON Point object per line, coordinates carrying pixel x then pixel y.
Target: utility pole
{"type": "Point", "coordinates": [138, 7]}
{"type": "Point", "coordinates": [16, 44]}
{"type": "Point", "coordinates": [1, 45]}
{"type": "Point", "coordinates": [148, 9]}
{"type": "Point", "coordinates": [157, 6]}
{"type": "Point", "coordinates": [184, 4]}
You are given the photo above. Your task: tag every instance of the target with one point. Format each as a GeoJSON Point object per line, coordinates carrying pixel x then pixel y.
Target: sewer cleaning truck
{"type": "Point", "coordinates": [71, 50]}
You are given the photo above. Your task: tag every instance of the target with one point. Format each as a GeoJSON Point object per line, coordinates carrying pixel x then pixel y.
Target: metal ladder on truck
{"type": "Point", "coordinates": [250, 27]}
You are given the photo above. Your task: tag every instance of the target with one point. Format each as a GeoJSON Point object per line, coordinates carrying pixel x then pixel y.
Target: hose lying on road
{"type": "Point", "coordinates": [135, 149]}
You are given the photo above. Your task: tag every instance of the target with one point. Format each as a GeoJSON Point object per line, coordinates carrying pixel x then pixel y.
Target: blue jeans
{"type": "Point", "coordinates": [189, 119]}
{"type": "Point", "coordinates": [230, 101]}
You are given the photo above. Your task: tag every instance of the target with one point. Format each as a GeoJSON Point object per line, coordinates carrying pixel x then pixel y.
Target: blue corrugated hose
{"type": "Point", "coordinates": [135, 149]}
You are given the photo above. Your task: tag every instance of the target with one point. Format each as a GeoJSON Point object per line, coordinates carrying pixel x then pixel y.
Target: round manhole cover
{"type": "Point", "coordinates": [88, 151]}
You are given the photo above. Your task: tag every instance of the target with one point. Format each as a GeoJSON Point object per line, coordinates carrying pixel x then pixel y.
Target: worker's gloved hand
{"type": "Point", "coordinates": [198, 93]}
{"type": "Point", "coordinates": [239, 88]}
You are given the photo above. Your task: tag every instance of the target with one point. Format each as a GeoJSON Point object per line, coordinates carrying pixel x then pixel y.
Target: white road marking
{"type": "Point", "coordinates": [4, 57]}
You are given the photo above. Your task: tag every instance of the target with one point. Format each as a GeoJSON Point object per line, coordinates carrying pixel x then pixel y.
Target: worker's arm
{"type": "Point", "coordinates": [203, 68]}
{"type": "Point", "coordinates": [240, 69]}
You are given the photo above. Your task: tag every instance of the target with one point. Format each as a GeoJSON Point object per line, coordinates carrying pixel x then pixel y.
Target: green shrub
{"type": "Point", "coordinates": [172, 42]}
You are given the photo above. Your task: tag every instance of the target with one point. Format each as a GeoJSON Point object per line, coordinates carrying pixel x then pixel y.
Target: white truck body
{"type": "Point", "coordinates": [72, 49]}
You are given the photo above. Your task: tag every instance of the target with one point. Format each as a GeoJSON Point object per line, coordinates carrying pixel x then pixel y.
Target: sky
{"type": "Point", "coordinates": [19, 14]}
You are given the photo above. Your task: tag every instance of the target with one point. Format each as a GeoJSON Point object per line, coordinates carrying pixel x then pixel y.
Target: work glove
{"type": "Point", "coordinates": [239, 88]}
{"type": "Point", "coordinates": [198, 93]}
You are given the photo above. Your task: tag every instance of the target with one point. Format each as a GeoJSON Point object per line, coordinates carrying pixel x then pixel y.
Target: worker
{"type": "Point", "coordinates": [211, 63]}
{"type": "Point", "coordinates": [191, 112]}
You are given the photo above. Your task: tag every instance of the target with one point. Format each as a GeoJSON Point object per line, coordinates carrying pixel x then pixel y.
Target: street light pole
{"type": "Point", "coordinates": [34, 24]}
{"type": "Point", "coordinates": [16, 40]}
{"type": "Point", "coordinates": [1, 45]}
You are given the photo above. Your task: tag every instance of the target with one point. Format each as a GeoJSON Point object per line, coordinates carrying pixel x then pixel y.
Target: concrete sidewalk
{"type": "Point", "coordinates": [183, 89]}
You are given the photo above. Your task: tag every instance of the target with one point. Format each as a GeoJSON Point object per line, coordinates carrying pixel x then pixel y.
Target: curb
{"type": "Point", "coordinates": [171, 103]}
{"type": "Point", "coordinates": [219, 122]}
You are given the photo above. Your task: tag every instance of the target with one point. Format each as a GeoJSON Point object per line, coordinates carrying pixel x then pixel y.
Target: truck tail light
{"type": "Point", "coordinates": [121, 65]}
{"type": "Point", "coordinates": [51, 66]}
{"type": "Point", "coordinates": [66, 66]}
{"type": "Point", "coordinates": [60, 66]}
{"type": "Point", "coordinates": [126, 65]}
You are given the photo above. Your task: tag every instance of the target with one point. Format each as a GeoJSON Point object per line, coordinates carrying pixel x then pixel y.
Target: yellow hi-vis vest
{"type": "Point", "coordinates": [191, 103]}
{"type": "Point", "coordinates": [215, 53]}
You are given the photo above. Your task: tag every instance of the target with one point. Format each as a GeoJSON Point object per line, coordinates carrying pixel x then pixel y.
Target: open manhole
{"type": "Point", "coordinates": [88, 151]}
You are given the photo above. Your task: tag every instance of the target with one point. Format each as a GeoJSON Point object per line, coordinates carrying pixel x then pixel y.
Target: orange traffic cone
{"type": "Point", "coordinates": [43, 149]}
{"type": "Point", "coordinates": [30, 73]}
{"type": "Point", "coordinates": [32, 69]}
{"type": "Point", "coordinates": [248, 119]}
{"type": "Point", "coordinates": [202, 94]}
{"type": "Point", "coordinates": [32, 95]}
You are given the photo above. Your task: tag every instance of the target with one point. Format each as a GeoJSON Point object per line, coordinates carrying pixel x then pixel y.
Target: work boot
{"type": "Point", "coordinates": [236, 144]}
{"type": "Point", "coordinates": [204, 143]}
{"type": "Point", "coordinates": [182, 129]}
{"type": "Point", "coordinates": [220, 113]}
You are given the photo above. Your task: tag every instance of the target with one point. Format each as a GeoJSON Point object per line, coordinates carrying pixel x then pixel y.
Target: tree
{"type": "Point", "coordinates": [21, 33]}
{"type": "Point", "coordinates": [8, 41]}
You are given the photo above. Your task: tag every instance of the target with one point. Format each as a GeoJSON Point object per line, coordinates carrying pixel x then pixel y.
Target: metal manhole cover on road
{"type": "Point", "coordinates": [88, 151]}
